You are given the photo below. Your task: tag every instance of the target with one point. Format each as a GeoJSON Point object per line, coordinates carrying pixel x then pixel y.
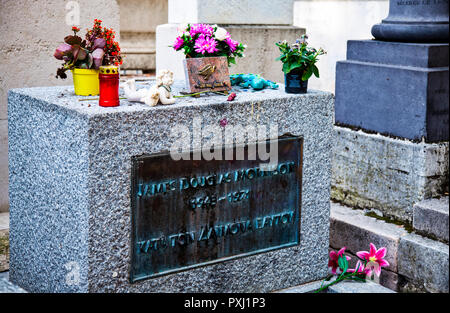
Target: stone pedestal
{"type": "Point", "coordinates": [414, 21]}
{"type": "Point", "coordinates": [70, 185]}
{"type": "Point", "coordinates": [371, 171]}
{"type": "Point", "coordinates": [397, 89]}
{"type": "Point", "coordinates": [397, 93]}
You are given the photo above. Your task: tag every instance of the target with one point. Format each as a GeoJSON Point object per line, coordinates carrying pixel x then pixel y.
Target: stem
{"type": "Point", "coordinates": [339, 279]}
{"type": "Point", "coordinates": [192, 94]}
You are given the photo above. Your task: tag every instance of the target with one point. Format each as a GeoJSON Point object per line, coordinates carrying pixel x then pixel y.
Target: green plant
{"type": "Point", "coordinates": [299, 57]}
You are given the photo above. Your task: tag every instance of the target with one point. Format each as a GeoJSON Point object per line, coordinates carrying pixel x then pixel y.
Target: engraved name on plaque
{"type": "Point", "coordinates": [191, 213]}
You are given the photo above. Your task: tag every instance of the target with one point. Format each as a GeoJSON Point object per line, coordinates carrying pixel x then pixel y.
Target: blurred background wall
{"type": "Point", "coordinates": [30, 31]}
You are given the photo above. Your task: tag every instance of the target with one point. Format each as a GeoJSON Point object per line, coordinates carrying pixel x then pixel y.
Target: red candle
{"type": "Point", "coordinates": [109, 86]}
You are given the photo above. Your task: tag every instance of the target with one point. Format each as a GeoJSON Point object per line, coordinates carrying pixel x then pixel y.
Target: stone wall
{"type": "Point", "coordinates": [30, 31]}
{"type": "Point", "coordinates": [138, 21]}
{"type": "Point", "coordinates": [330, 23]}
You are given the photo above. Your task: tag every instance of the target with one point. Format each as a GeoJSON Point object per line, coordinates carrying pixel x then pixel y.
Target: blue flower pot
{"type": "Point", "coordinates": [294, 84]}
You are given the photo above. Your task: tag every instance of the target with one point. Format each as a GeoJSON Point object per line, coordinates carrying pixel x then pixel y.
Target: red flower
{"type": "Point", "coordinates": [334, 257]}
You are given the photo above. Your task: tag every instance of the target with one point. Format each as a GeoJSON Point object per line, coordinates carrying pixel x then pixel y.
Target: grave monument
{"type": "Point", "coordinates": [100, 204]}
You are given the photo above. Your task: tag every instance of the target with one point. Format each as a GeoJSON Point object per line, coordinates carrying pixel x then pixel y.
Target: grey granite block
{"type": "Point", "coordinates": [70, 169]}
{"type": "Point", "coordinates": [424, 262]}
{"type": "Point", "coordinates": [431, 217]}
{"type": "Point", "coordinates": [395, 93]}
{"type": "Point", "coordinates": [305, 288]}
{"type": "Point", "coordinates": [391, 175]}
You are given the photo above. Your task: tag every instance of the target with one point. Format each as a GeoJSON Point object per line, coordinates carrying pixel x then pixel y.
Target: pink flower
{"type": "Point", "coordinates": [204, 29]}
{"type": "Point", "coordinates": [179, 42]}
{"type": "Point", "coordinates": [359, 268]}
{"type": "Point", "coordinates": [375, 259]}
{"type": "Point", "coordinates": [231, 43]}
{"type": "Point", "coordinates": [205, 44]}
{"type": "Point", "coordinates": [334, 257]}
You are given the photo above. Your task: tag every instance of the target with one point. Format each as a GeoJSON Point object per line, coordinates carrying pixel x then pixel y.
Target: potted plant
{"type": "Point", "coordinates": [209, 52]}
{"type": "Point", "coordinates": [299, 64]}
{"type": "Point", "coordinates": [84, 57]}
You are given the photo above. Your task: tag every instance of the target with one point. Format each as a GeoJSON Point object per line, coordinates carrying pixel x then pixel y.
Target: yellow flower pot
{"type": "Point", "coordinates": [86, 82]}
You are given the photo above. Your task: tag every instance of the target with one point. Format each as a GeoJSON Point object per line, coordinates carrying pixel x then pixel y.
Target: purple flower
{"type": "Point", "coordinates": [205, 44]}
{"type": "Point", "coordinates": [179, 42]}
{"type": "Point", "coordinates": [231, 43]}
{"type": "Point", "coordinates": [204, 29]}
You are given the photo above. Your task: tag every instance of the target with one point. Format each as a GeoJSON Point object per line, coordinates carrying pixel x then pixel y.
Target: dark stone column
{"type": "Point", "coordinates": [414, 21]}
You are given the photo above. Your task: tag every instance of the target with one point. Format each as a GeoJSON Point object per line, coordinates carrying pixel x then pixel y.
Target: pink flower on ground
{"type": "Point", "coordinates": [205, 44]}
{"type": "Point", "coordinates": [359, 268]}
{"type": "Point", "coordinates": [231, 43]}
{"type": "Point", "coordinates": [375, 259]}
{"type": "Point", "coordinates": [179, 42]}
{"type": "Point", "coordinates": [334, 257]}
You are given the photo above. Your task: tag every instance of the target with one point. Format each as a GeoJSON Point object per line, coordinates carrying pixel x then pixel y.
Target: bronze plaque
{"type": "Point", "coordinates": [192, 213]}
{"type": "Point", "coordinates": [207, 74]}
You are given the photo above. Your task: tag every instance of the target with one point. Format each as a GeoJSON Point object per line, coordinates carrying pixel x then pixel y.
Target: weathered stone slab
{"type": "Point", "coordinates": [263, 12]}
{"type": "Point", "coordinates": [256, 60]}
{"type": "Point", "coordinates": [391, 175]}
{"type": "Point", "coordinates": [358, 287]}
{"type": "Point", "coordinates": [70, 179]}
{"type": "Point", "coordinates": [424, 262]}
{"type": "Point", "coordinates": [305, 288]}
{"type": "Point", "coordinates": [383, 92]}
{"type": "Point", "coordinates": [431, 217]}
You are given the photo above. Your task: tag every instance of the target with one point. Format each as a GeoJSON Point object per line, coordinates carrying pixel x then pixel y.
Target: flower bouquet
{"type": "Point", "coordinates": [209, 51]}
{"type": "Point", "coordinates": [368, 265]}
{"type": "Point", "coordinates": [85, 56]}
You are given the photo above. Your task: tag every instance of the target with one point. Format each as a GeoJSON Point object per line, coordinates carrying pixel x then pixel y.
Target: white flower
{"type": "Point", "coordinates": [182, 28]}
{"type": "Point", "coordinates": [221, 34]}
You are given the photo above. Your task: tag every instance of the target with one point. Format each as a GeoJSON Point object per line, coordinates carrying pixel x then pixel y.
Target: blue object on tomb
{"type": "Point", "coordinates": [254, 81]}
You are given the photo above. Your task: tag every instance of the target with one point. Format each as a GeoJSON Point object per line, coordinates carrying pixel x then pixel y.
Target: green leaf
{"type": "Point", "coordinates": [294, 66]}
{"type": "Point", "coordinates": [315, 71]}
{"type": "Point", "coordinates": [307, 75]}
{"type": "Point", "coordinates": [286, 68]}
{"type": "Point", "coordinates": [343, 263]}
